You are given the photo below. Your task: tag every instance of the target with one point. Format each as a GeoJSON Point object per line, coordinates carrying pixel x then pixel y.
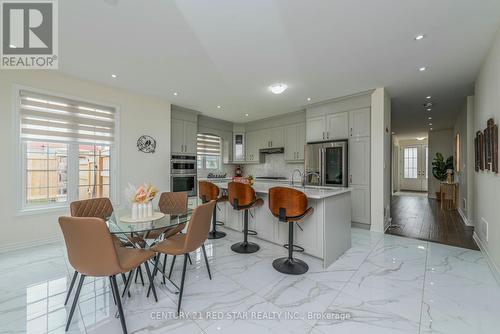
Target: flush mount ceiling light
{"type": "Point", "coordinates": [12, 46]}
{"type": "Point", "coordinates": [422, 69]}
{"type": "Point", "coordinates": [429, 118]}
{"type": "Point", "coordinates": [278, 88]}
{"type": "Point", "coordinates": [420, 138]}
{"type": "Point", "coordinates": [419, 37]}
{"type": "Point", "coordinates": [113, 76]}
{"type": "Point", "coordinates": [428, 97]}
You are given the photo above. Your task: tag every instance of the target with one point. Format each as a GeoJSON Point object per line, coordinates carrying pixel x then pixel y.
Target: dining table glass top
{"type": "Point", "coordinates": [119, 223]}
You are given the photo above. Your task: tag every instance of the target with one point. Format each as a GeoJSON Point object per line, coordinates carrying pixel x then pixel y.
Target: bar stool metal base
{"type": "Point", "coordinates": [245, 247]}
{"type": "Point", "coordinates": [216, 234]}
{"type": "Point", "coordinates": [290, 266]}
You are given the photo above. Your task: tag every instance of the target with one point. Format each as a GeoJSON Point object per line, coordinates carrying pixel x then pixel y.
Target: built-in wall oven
{"type": "Point", "coordinates": [183, 174]}
{"type": "Point", "coordinates": [326, 164]}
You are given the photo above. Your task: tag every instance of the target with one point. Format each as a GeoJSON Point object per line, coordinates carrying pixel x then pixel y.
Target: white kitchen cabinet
{"type": "Point", "coordinates": [329, 127]}
{"type": "Point", "coordinates": [233, 218]}
{"type": "Point", "coordinates": [295, 139]}
{"type": "Point", "coordinates": [359, 161]}
{"type": "Point", "coordinates": [360, 204]}
{"type": "Point", "coordinates": [337, 126]}
{"type": "Point", "coordinates": [253, 145]}
{"type": "Point", "coordinates": [273, 137]}
{"type": "Point", "coordinates": [359, 123]}
{"type": "Point", "coordinates": [309, 235]}
{"type": "Point", "coordinates": [183, 136]}
{"type": "Point", "coordinates": [315, 129]}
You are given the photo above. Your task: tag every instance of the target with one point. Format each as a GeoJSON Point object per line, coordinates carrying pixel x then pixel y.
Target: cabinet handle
{"type": "Point", "coordinates": [327, 134]}
{"type": "Point", "coordinates": [323, 135]}
{"type": "Point", "coordinates": [350, 179]}
{"type": "Point", "coordinates": [351, 132]}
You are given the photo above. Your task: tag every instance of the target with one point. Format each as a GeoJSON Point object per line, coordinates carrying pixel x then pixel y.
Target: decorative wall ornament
{"type": "Point", "coordinates": [146, 144]}
{"type": "Point", "coordinates": [486, 146]}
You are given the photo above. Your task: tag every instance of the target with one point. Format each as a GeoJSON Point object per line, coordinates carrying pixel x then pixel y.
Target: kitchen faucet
{"type": "Point", "coordinates": [307, 174]}
{"type": "Point", "coordinates": [300, 175]}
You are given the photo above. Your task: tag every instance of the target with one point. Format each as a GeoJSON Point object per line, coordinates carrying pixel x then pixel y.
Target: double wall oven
{"type": "Point", "coordinates": [183, 174]}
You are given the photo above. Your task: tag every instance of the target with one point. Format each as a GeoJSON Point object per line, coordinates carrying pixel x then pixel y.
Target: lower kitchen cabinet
{"type": "Point", "coordinates": [360, 204]}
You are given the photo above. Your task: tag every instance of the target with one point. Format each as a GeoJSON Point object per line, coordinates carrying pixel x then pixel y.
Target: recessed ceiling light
{"type": "Point", "coordinates": [175, 94]}
{"type": "Point", "coordinates": [430, 124]}
{"type": "Point", "coordinates": [419, 37]}
{"type": "Point", "coordinates": [420, 138]}
{"type": "Point", "coordinates": [431, 129]}
{"type": "Point", "coordinates": [429, 118]}
{"type": "Point", "coordinates": [428, 97]}
{"type": "Point", "coordinates": [12, 46]}
{"type": "Point", "coordinates": [429, 109]}
{"type": "Point", "coordinates": [422, 69]}
{"type": "Point", "coordinates": [278, 88]}
{"type": "Point", "coordinates": [308, 99]}
{"type": "Point", "coordinates": [113, 76]}
{"type": "Point", "coordinates": [218, 107]}
{"type": "Point", "coordinates": [246, 115]}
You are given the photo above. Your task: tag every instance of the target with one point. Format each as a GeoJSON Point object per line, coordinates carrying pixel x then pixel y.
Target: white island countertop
{"type": "Point", "coordinates": [312, 192]}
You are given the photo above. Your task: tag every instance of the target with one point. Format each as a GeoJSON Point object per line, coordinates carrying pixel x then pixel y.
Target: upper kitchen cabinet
{"type": "Point", "coordinates": [329, 127]}
{"type": "Point", "coordinates": [184, 127]}
{"type": "Point", "coordinates": [337, 126]}
{"type": "Point", "coordinates": [315, 129]}
{"type": "Point", "coordinates": [254, 142]}
{"type": "Point", "coordinates": [276, 137]}
{"type": "Point", "coordinates": [295, 139]}
{"type": "Point", "coordinates": [359, 123]}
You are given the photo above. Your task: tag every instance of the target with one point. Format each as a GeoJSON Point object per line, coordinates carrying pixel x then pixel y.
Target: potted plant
{"type": "Point", "coordinates": [440, 168]}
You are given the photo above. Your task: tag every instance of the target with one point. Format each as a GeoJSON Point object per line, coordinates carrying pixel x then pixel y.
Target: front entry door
{"type": "Point", "coordinates": [414, 172]}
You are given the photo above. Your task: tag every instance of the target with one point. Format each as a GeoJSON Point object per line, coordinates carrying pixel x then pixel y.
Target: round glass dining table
{"type": "Point", "coordinates": [136, 233]}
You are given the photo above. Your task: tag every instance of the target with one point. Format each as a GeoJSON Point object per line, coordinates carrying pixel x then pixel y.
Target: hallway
{"type": "Point", "coordinates": [421, 218]}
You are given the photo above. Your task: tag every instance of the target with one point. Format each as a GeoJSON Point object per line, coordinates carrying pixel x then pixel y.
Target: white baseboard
{"type": "Point", "coordinates": [494, 269]}
{"type": "Point", "coordinates": [464, 218]}
{"type": "Point", "coordinates": [32, 243]}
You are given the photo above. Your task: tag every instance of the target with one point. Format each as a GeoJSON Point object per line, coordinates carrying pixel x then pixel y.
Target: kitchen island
{"type": "Point", "coordinates": [326, 234]}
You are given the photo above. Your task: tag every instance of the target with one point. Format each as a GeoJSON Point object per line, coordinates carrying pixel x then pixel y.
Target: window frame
{"type": "Point", "coordinates": [19, 158]}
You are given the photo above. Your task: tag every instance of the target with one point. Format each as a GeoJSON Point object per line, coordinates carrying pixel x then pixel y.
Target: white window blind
{"type": "Point", "coordinates": [208, 145]}
{"type": "Point", "coordinates": [51, 118]}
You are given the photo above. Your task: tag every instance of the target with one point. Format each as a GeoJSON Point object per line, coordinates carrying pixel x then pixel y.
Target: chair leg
{"type": "Point", "coordinates": [206, 260]}
{"type": "Point", "coordinates": [164, 267]}
{"type": "Point", "coordinates": [75, 275]}
{"type": "Point", "coordinates": [128, 282]}
{"type": "Point", "coordinates": [182, 284]}
{"type": "Point", "coordinates": [157, 261]}
{"type": "Point", "coordinates": [124, 279]}
{"type": "Point", "coordinates": [140, 276]}
{"type": "Point", "coordinates": [189, 258]}
{"type": "Point", "coordinates": [151, 281]}
{"type": "Point", "coordinates": [119, 303]}
{"type": "Point", "coordinates": [75, 301]}
{"type": "Point", "coordinates": [172, 266]}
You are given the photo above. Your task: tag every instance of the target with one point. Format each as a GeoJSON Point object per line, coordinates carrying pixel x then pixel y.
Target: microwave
{"type": "Point", "coordinates": [183, 164]}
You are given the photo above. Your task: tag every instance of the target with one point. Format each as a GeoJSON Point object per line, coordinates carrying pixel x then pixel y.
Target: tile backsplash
{"type": "Point", "coordinates": [274, 165]}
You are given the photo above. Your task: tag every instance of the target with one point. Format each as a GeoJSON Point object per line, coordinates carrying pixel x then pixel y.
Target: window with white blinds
{"type": "Point", "coordinates": [208, 149]}
{"type": "Point", "coordinates": [51, 118]}
{"type": "Point", "coordinates": [68, 149]}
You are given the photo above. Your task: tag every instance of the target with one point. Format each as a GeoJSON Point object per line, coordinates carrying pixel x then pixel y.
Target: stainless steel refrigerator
{"type": "Point", "coordinates": [326, 164]}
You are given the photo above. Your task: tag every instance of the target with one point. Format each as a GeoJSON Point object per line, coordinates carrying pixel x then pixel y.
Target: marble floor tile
{"type": "Point", "coordinates": [383, 284]}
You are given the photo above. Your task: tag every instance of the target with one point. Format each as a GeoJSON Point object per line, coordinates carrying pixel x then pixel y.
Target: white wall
{"type": "Point", "coordinates": [138, 115]}
{"type": "Point", "coordinates": [380, 168]}
{"type": "Point", "coordinates": [439, 141]}
{"type": "Point", "coordinates": [486, 184]}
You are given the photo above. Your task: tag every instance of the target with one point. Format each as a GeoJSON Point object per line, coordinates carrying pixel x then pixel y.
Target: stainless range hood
{"type": "Point", "coordinates": [274, 150]}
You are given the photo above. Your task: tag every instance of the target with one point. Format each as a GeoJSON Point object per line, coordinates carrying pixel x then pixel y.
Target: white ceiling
{"type": "Point", "coordinates": [227, 52]}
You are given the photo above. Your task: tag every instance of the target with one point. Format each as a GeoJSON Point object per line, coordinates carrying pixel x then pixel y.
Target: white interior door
{"type": "Point", "coordinates": [414, 162]}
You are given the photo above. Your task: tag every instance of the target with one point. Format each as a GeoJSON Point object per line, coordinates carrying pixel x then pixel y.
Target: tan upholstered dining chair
{"type": "Point", "coordinates": [92, 252]}
{"type": "Point", "coordinates": [194, 238]}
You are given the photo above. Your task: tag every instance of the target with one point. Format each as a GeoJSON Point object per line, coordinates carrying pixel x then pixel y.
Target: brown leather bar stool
{"type": "Point", "coordinates": [242, 197]}
{"type": "Point", "coordinates": [289, 206]}
{"type": "Point", "coordinates": [207, 191]}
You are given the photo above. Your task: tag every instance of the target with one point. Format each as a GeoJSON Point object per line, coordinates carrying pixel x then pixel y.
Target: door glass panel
{"type": "Point", "coordinates": [426, 167]}
{"type": "Point", "coordinates": [333, 166]}
{"type": "Point", "coordinates": [410, 162]}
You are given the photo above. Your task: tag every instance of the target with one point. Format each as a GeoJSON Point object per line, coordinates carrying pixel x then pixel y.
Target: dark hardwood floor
{"type": "Point", "coordinates": [421, 218]}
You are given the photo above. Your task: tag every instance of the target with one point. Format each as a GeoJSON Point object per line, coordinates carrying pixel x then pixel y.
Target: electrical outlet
{"type": "Point", "coordinates": [484, 228]}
